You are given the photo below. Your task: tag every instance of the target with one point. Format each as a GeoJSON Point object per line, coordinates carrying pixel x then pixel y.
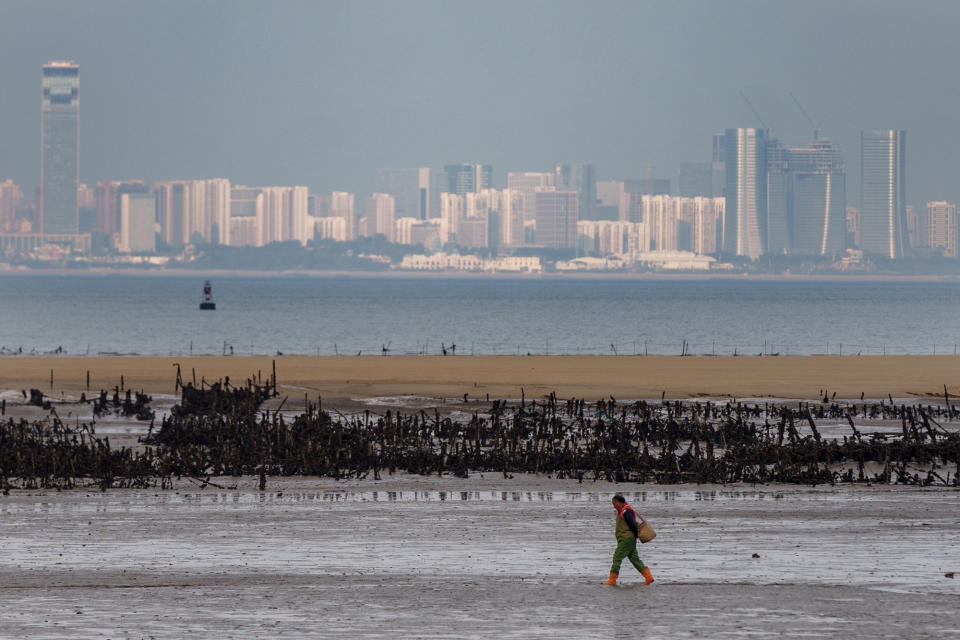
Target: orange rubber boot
{"type": "Point", "coordinates": [647, 576]}
{"type": "Point", "coordinates": [612, 580]}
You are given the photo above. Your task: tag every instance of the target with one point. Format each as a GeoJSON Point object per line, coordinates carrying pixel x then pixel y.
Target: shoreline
{"type": "Point", "coordinates": [507, 377]}
{"type": "Point", "coordinates": [471, 275]}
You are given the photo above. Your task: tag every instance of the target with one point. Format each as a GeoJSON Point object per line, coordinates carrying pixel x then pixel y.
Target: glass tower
{"type": "Point", "coordinates": [59, 161]}
{"type": "Point", "coordinates": [818, 198]}
{"type": "Point", "coordinates": [883, 218]}
{"type": "Point", "coordinates": [745, 217]}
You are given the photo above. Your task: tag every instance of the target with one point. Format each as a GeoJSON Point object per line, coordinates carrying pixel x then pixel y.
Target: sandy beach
{"type": "Point", "coordinates": [589, 377]}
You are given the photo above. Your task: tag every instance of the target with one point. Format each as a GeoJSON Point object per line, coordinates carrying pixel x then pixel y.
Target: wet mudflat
{"type": "Point", "coordinates": [480, 557]}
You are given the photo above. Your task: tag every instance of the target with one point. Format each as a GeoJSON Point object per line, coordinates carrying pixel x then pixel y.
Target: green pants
{"type": "Point", "coordinates": [626, 548]}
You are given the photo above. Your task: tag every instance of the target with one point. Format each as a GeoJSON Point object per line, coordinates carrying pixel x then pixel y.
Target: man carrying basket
{"type": "Point", "coordinates": [627, 531]}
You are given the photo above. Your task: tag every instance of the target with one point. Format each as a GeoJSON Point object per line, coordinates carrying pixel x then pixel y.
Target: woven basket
{"type": "Point", "coordinates": [646, 532]}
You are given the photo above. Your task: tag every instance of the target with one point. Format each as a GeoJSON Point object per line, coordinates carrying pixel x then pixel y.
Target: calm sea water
{"type": "Point", "coordinates": [326, 315]}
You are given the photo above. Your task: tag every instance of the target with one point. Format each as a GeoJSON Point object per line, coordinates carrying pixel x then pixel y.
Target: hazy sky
{"type": "Point", "coordinates": [324, 93]}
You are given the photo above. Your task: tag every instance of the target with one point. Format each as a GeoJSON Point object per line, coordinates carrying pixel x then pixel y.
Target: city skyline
{"type": "Point", "coordinates": [291, 115]}
{"type": "Point", "coordinates": [779, 199]}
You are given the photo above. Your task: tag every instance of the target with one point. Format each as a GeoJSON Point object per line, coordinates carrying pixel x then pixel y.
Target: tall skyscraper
{"type": "Point", "coordinates": [818, 198]}
{"type": "Point", "coordinates": [883, 199]}
{"type": "Point", "coordinates": [59, 147]}
{"type": "Point", "coordinates": [745, 215]}
{"type": "Point", "coordinates": [468, 178]}
{"type": "Point", "coordinates": [776, 217]}
{"type": "Point", "coordinates": [581, 178]}
{"type": "Point", "coordinates": [557, 213]}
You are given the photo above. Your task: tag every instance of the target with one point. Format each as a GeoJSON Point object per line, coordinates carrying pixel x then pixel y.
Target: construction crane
{"type": "Point", "coordinates": [754, 109]}
{"type": "Point", "coordinates": [816, 129]}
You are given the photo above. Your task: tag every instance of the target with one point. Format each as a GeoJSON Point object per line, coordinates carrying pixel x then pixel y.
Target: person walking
{"type": "Point", "coordinates": [627, 531]}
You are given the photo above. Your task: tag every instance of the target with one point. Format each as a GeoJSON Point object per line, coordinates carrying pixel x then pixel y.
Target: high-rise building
{"type": "Point", "coordinates": [342, 206]}
{"type": "Point", "coordinates": [451, 212]}
{"type": "Point", "coordinates": [883, 200]}
{"type": "Point", "coordinates": [853, 227]}
{"type": "Point", "coordinates": [705, 225]}
{"type": "Point", "coordinates": [941, 228]}
{"type": "Point", "coordinates": [526, 183]}
{"type": "Point", "coordinates": [581, 178]}
{"type": "Point", "coordinates": [194, 211]}
{"type": "Point", "coordinates": [137, 223]}
{"type": "Point", "coordinates": [468, 178]}
{"type": "Point", "coordinates": [246, 216]}
{"type": "Point", "coordinates": [745, 216]}
{"type": "Point", "coordinates": [817, 198]}
{"type": "Point", "coordinates": [609, 195]}
{"type": "Point", "coordinates": [417, 191]}
{"type": "Point", "coordinates": [381, 214]}
{"type": "Point", "coordinates": [285, 215]}
{"type": "Point", "coordinates": [556, 216]}
{"type": "Point", "coordinates": [511, 217]}
{"type": "Point", "coordinates": [10, 197]}
{"type": "Point", "coordinates": [106, 202]}
{"type": "Point", "coordinates": [776, 216]}
{"type": "Point", "coordinates": [59, 148]}
{"type": "Point", "coordinates": [661, 216]}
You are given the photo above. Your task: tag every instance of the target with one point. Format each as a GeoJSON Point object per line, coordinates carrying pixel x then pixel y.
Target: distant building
{"type": "Point", "coordinates": [556, 217]}
{"type": "Point", "coordinates": [610, 237]}
{"type": "Point", "coordinates": [285, 215]}
{"type": "Point", "coordinates": [883, 169]}
{"type": "Point", "coordinates": [138, 225]}
{"type": "Point", "coordinates": [455, 262]}
{"type": "Point", "coordinates": [529, 181]}
{"type": "Point", "coordinates": [10, 197]}
{"type": "Point", "coordinates": [745, 219]}
{"type": "Point", "coordinates": [581, 178]}
{"type": "Point", "coordinates": [526, 183]}
{"type": "Point", "coordinates": [917, 230]}
{"type": "Point", "coordinates": [342, 206]}
{"type": "Point", "coordinates": [413, 231]}
{"type": "Point", "coordinates": [512, 206]}
{"type": "Point", "coordinates": [190, 210]}
{"type": "Point", "coordinates": [332, 228]}
{"type": "Point", "coordinates": [246, 216]}
{"type": "Point", "coordinates": [853, 227]}
{"type": "Point", "coordinates": [416, 191]}
{"type": "Point", "coordinates": [661, 217]}
{"type": "Point", "coordinates": [941, 227]}
{"type": "Point", "coordinates": [452, 207]}
{"type": "Point", "coordinates": [817, 199]}
{"type": "Point", "coordinates": [472, 233]}
{"type": "Point", "coordinates": [468, 178]}
{"type": "Point", "coordinates": [609, 195]}
{"type": "Point", "coordinates": [318, 205]}
{"type": "Point", "coordinates": [381, 214]}
{"type": "Point", "coordinates": [106, 202]}
{"type": "Point", "coordinates": [59, 148]}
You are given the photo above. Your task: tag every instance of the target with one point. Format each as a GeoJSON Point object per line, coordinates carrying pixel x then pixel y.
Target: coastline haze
{"type": "Point", "coordinates": [182, 90]}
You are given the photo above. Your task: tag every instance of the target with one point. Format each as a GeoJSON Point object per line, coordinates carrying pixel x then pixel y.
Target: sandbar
{"type": "Point", "coordinates": [589, 377]}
